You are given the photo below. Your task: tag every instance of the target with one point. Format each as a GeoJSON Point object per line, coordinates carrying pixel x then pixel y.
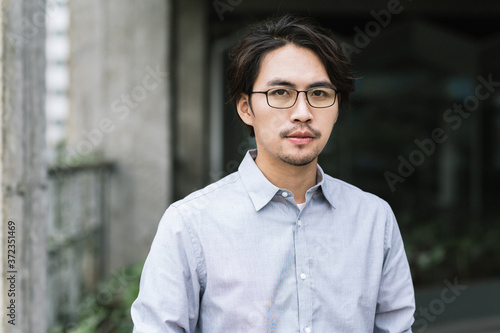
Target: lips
{"type": "Point", "coordinates": [300, 137]}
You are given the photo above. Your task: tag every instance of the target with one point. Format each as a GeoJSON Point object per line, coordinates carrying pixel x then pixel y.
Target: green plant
{"type": "Point", "coordinates": [108, 309]}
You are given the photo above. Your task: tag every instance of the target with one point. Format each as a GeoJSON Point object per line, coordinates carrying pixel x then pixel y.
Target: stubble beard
{"type": "Point", "coordinates": [297, 160]}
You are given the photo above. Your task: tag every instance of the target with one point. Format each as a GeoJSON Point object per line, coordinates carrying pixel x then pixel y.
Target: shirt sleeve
{"type": "Point", "coordinates": [170, 287]}
{"type": "Point", "coordinates": [396, 299]}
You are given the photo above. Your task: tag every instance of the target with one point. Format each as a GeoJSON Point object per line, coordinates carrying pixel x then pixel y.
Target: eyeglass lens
{"type": "Point", "coordinates": [285, 97]}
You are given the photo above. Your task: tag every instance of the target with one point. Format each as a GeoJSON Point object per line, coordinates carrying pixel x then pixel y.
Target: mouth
{"type": "Point", "coordinates": [300, 138]}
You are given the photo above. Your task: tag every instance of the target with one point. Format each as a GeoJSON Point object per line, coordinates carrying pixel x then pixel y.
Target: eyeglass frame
{"type": "Point", "coordinates": [296, 96]}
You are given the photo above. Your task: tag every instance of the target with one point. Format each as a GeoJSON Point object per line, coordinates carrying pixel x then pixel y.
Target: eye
{"type": "Point", "coordinates": [318, 93]}
{"type": "Point", "coordinates": [321, 93]}
{"type": "Point", "coordinates": [280, 92]}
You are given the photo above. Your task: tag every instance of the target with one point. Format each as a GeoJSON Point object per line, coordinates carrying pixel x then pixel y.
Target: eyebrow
{"type": "Point", "coordinates": [285, 83]}
{"type": "Point", "coordinates": [320, 84]}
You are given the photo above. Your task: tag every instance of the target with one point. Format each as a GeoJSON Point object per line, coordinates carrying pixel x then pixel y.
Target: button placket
{"type": "Point", "coordinates": [303, 274]}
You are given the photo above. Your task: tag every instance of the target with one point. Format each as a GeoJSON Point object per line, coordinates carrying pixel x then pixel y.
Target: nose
{"type": "Point", "coordinates": [301, 111]}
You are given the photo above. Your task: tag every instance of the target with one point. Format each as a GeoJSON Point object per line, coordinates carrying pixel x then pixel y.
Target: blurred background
{"type": "Point", "coordinates": [114, 109]}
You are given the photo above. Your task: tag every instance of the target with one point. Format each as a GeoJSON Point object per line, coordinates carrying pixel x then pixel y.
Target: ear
{"type": "Point", "coordinates": [244, 109]}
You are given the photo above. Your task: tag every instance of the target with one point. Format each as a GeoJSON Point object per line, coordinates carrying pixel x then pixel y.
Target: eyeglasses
{"type": "Point", "coordinates": [284, 98]}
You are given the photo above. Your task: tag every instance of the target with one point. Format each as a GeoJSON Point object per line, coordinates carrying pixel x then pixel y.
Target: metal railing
{"type": "Point", "coordinates": [76, 236]}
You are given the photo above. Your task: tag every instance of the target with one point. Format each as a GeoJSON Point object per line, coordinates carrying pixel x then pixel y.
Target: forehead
{"type": "Point", "coordinates": [297, 65]}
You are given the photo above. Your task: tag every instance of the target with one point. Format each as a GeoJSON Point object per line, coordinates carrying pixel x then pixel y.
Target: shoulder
{"type": "Point", "coordinates": [200, 205]}
{"type": "Point", "coordinates": [211, 195]}
{"type": "Point", "coordinates": [361, 208]}
{"type": "Point", "coordinates": [347, 194]}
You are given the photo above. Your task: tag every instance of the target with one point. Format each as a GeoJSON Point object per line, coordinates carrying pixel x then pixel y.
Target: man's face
{"type": "Point", "coordinates": [297, 135]}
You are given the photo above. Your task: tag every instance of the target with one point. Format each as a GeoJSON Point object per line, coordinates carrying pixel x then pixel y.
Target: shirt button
{"type": "Point", "coordinates": [284, 194]}
{"type": "Point", "coordinates": [307, 329]}
{"type": "Point", "coordinates": [303, 276]}
{"type": "Point", "coordinates": [299, 222]}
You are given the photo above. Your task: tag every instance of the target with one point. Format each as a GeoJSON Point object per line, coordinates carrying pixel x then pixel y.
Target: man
{"type": "Point", "coordinates": [279, 246]}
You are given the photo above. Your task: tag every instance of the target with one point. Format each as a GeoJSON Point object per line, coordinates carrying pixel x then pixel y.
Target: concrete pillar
{"type": "Point", "coordinates": [120, 111]}
{"type": "Point", "coordinates": [22, 168]}
{"type": "Point", "coordinates": [191, 91]}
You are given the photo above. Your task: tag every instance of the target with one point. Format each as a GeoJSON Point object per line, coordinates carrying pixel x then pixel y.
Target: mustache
{"type": "Point", "coordinates": [287, 132]}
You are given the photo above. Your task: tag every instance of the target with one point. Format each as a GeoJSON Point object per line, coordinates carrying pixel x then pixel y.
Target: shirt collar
{"type": "Point", "coordinates": [261, 190]}
{"type": "Point", "coordinates": [323, 185]}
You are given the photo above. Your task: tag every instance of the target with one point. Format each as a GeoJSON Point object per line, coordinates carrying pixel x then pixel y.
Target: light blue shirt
{"type": "Point", "coordinates": [239, 256]}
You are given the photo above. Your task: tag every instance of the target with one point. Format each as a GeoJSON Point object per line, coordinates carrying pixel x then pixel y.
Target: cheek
{"type": "Point", "coordinates": [267, 132]}
{"type": "Point", "coordinates": [270, 121]}
{"type": "Point", "coordinates": [277, 120]}
{"type": "Point", "coordinates": [328, 120]}
{"type": "Point", "coordinates": [327, 125]}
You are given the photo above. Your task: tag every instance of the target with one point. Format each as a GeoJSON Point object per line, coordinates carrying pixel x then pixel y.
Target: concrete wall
{"type": "Point", "coordinates": [120, 108]}
{"type": "Point", "coordinates": [22, 169]}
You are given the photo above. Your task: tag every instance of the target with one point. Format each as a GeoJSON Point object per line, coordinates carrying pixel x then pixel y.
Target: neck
{"type": "Point", "coordinates": [297, 179]}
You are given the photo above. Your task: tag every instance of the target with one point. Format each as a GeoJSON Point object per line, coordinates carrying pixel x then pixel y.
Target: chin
{"type": "Point", "coordinates": [298, 160]}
